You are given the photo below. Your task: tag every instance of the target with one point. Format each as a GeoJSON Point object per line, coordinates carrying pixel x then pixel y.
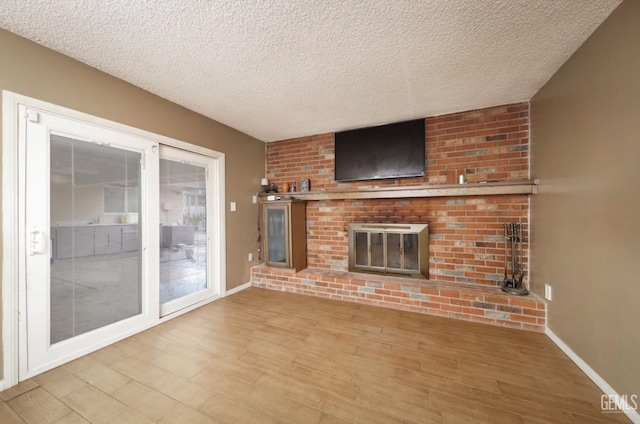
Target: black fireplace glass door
{"type": "Point", "coordinates": [377, 249]}
{"type": "Point", "coordinates": [362, 249]}
{"type": "Point", "coordinates": [411, 258]}
{"type": "Point", "coordinates": [394, 257]}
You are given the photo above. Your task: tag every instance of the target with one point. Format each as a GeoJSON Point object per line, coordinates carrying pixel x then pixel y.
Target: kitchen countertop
{"type": "Point", "coordinates": [92, 225]}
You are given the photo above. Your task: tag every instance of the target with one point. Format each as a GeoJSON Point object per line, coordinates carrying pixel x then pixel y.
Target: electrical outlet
{"type": "Point", "coordinates": [250, 257]}
{"type": "Point", "coordinates": [234, 206]}
{"type": "Point", "coordinates": [255, 199]}
{"type": "Point", "coordinates": [547, 292]}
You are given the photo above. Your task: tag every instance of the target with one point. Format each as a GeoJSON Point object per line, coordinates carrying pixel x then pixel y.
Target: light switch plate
{"type": "Point", "coordinates": [548, 294]}
{"type": "Point", "coordinates": [234, 207]}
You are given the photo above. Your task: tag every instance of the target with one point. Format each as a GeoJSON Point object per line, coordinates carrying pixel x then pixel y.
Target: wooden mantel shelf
{"type": "Point", "coordinates": [395, 192]}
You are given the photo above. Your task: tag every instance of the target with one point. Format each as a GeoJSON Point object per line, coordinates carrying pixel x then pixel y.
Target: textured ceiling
{"type": "Point", "coordinates": [278, 69]}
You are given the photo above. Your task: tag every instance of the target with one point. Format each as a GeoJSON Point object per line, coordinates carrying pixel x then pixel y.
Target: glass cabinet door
{"type": "Point", "coordinates": [276, 221]}
{"type": "Point", "coordinates": [283, 234]}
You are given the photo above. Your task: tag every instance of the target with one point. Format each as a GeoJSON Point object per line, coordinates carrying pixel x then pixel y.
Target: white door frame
{"type": "Point", "coordinates": [13, 209]}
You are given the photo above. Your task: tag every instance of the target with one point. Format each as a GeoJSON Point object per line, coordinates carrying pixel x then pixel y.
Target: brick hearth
{"type": "Point", "coordinates": [477, 303]}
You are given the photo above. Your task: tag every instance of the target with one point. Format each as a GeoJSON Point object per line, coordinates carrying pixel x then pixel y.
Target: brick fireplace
{"type": "Point", "coordinates": [466, 233]}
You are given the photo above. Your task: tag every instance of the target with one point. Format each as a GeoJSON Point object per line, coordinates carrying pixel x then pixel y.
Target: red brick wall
{"type": "Point", "coordinates": [466, 234]}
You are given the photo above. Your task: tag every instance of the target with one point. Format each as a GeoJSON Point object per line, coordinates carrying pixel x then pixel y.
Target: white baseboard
{"type": "Point", "coordinates": [632, 414]}
{"type": "Point", "coordinates": [239, 288]}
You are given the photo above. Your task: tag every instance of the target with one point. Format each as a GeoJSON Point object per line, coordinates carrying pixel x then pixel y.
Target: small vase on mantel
{"type": "Point", "coordinates": [285, 187]}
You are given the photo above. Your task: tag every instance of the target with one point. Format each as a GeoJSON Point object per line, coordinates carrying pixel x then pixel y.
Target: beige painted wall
{"type": "Point", "coordinates": [585, 138]}
{"type": "Point", "coordinates": [32, 70]}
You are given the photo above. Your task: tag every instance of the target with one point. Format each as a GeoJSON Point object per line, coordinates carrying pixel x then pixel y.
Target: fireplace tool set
{"type": "Point", "coordinates": [513, 247]}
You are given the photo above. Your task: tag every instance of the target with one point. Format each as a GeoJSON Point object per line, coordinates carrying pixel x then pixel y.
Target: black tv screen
{"type": "Point", "coordinates": [388, 151]}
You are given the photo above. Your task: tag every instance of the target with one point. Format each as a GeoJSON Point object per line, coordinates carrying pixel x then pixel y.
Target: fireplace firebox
{"type": "Point", "coordinates": [401, 249]}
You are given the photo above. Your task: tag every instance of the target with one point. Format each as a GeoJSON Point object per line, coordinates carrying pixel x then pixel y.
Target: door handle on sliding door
{"type": "Point", "coordinates": [37, 242]}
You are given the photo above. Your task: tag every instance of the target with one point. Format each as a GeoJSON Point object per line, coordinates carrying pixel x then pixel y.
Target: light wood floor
{"type": "Point", "coordinates": [261, 356]}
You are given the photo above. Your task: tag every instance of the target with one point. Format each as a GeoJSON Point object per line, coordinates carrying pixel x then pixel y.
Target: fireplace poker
{"type": "Point", "coordinates": [506, 237]}
{"type": "Point", "coordinates": [513, 252]}
{"type": "Point", "coordinates": [520, 238]}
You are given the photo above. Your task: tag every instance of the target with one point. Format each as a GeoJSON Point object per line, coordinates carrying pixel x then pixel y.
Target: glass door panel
{"type": "Point", "coordinates": [377, 249]}
{"type": "Point", "coordinates": [184, 208]}
{"type": "Point", "coordinates": [276, 235]}
{"type": "Point", "coordinates": [394, 257]}
{"type": "Point", "coordinates": [94, 281]}
{"type": "Point", "coordinates": [362, 249]}
{"type": "Point", "coordinates": [411, 251]}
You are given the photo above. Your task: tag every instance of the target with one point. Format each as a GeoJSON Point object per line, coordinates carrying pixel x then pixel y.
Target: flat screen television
{"type": "Point", "coordinates": [387, 151]}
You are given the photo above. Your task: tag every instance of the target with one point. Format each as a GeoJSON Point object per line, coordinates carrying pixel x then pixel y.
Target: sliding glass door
{"type": "Point", "coordinates": [186, 203]}
{"type": "Point", "coordinates": [88, 269]}
{"type": "Point", "coordinates": [113, 231]}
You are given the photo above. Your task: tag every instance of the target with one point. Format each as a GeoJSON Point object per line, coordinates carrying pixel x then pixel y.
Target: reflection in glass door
{"type": "Point", "coordinates": [95, 259]}
{"type": "Point", "coordinates": [184, 236]}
